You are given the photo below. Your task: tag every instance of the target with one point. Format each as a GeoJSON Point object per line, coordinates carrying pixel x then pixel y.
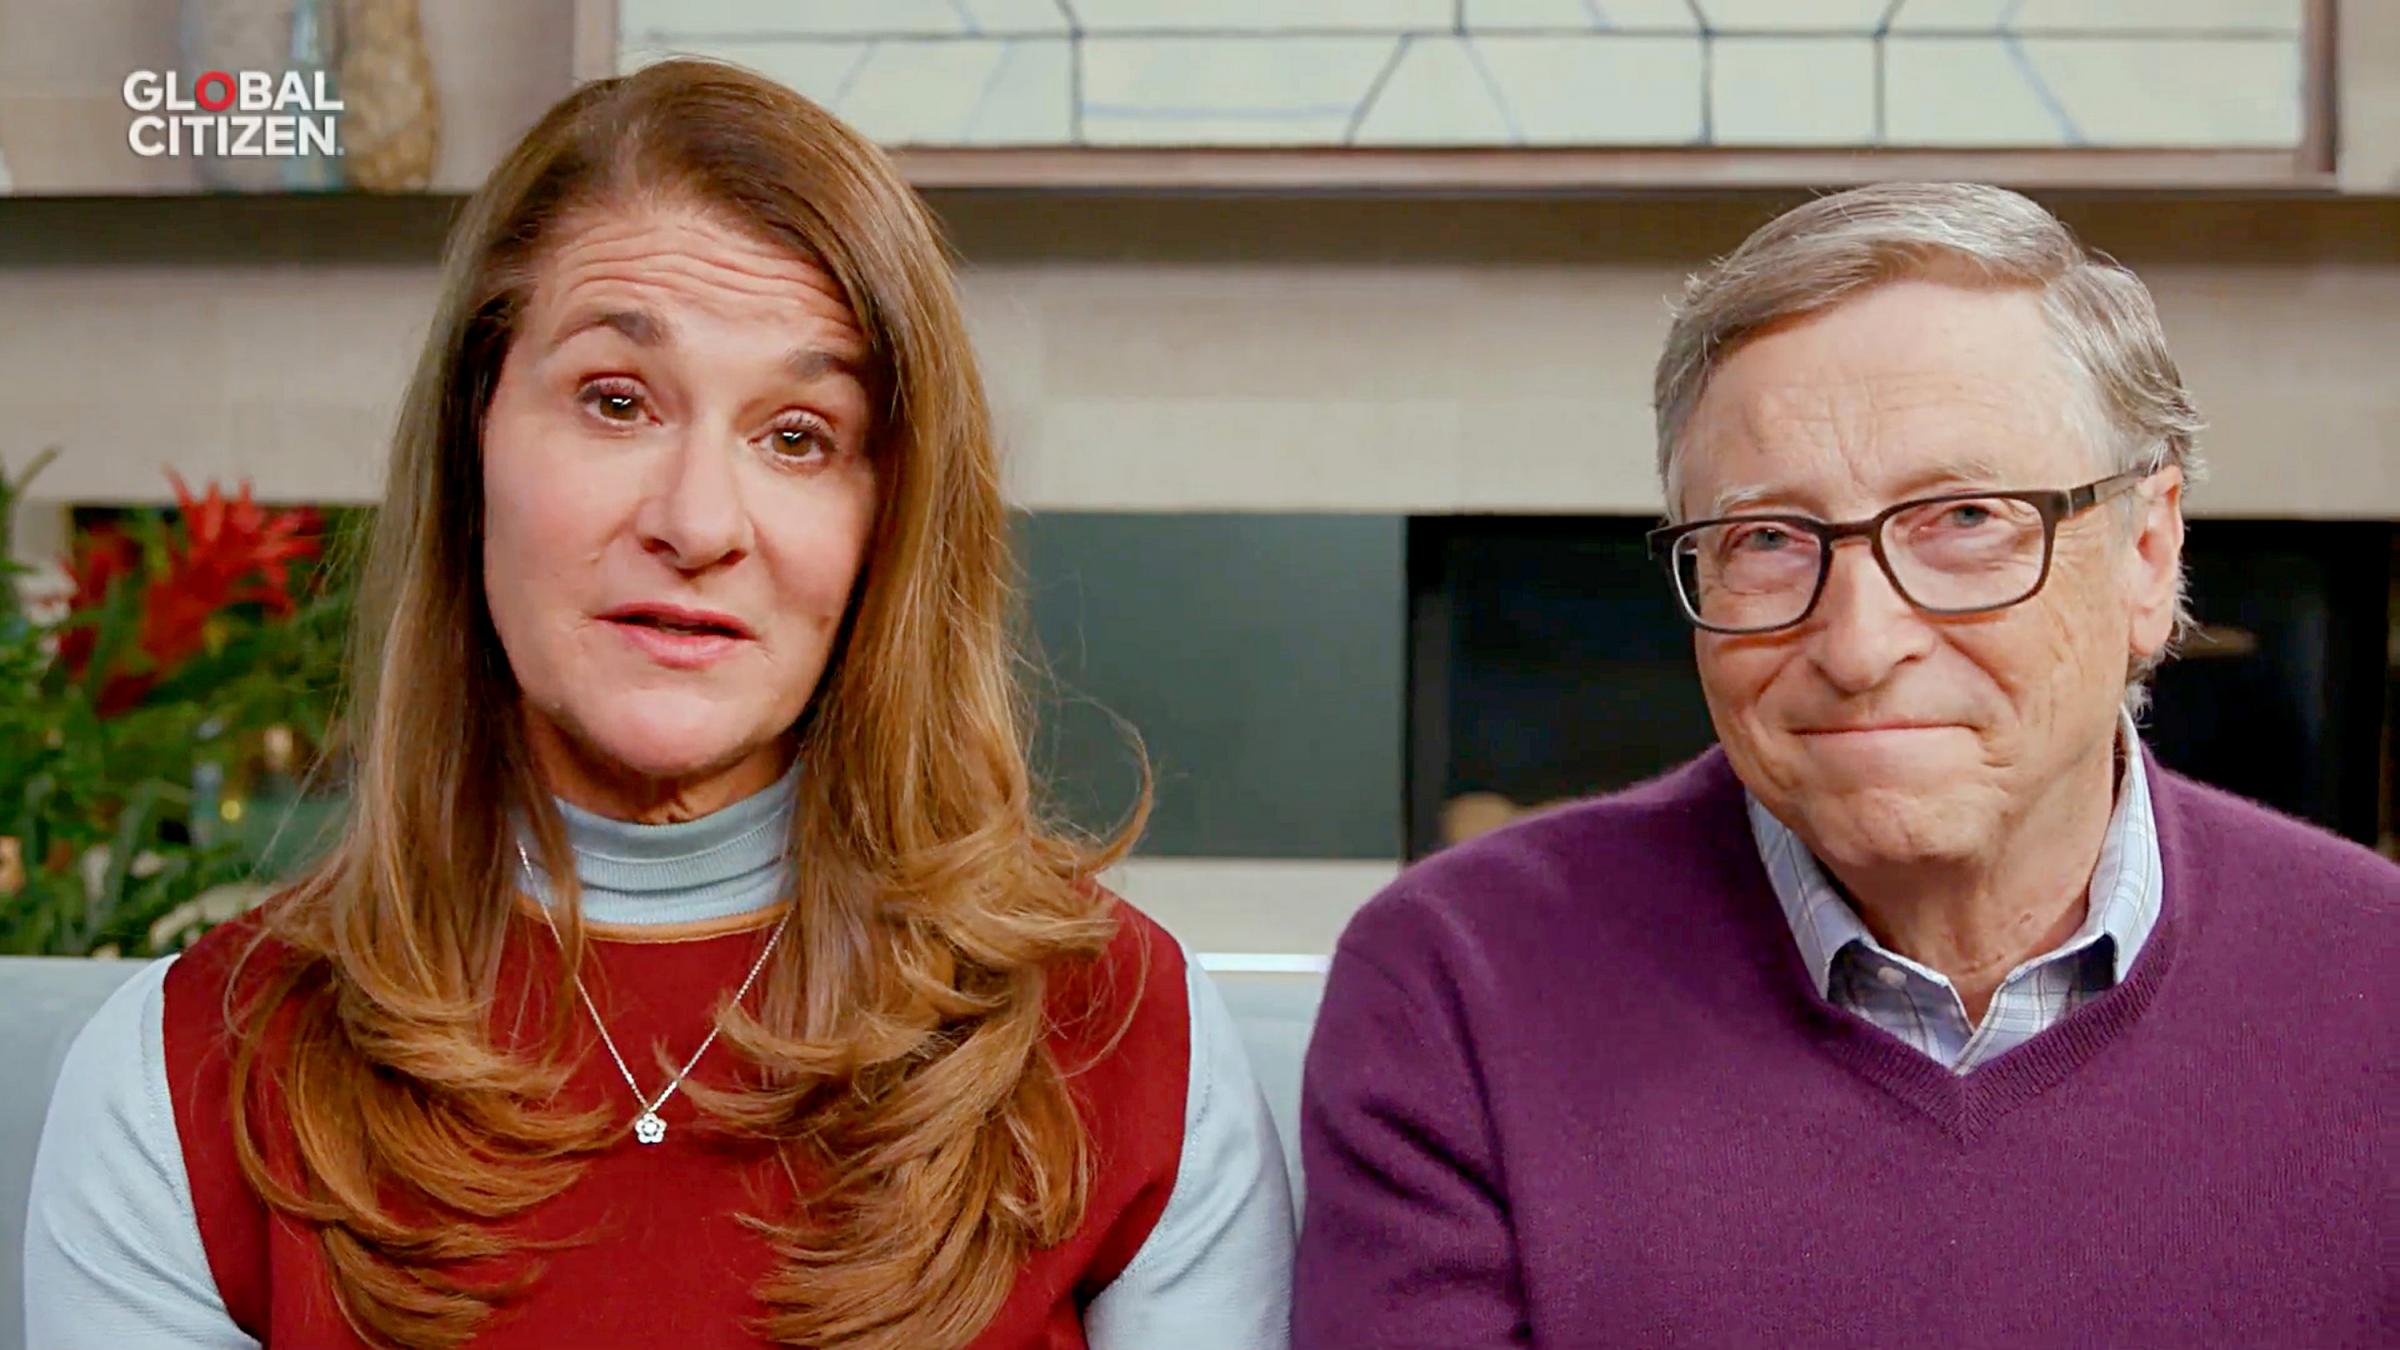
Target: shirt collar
{"type": "Point", "coordinates": [2123, 901]}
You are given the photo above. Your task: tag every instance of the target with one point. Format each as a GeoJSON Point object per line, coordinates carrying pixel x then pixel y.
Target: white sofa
{"type": "Point", "coordinates": [45, 1001]}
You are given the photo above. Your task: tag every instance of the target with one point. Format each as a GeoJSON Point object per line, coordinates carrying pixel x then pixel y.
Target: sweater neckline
{"type": "Point", "coordinates": [1962, 1105]}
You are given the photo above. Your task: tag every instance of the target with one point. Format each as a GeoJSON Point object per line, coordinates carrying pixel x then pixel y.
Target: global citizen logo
{"type": "Point", "coordinates": [238, 114]}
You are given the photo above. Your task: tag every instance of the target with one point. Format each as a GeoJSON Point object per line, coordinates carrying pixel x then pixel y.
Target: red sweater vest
{"type": "Point", "coordinates": [663, 1257]}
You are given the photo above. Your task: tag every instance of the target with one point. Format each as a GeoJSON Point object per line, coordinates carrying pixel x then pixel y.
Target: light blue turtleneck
{"type": "Point", "coordinates": [731, 861]}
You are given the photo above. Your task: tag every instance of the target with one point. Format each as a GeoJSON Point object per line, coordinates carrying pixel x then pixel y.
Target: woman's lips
{"type": "Point", "coordinates": [677, 650]}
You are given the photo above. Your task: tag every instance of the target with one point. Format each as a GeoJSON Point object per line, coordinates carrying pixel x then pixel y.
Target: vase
{"type": "Point", "coordinates": [392, 131]}
{"type": "Point", "coordinates": [279, 36]}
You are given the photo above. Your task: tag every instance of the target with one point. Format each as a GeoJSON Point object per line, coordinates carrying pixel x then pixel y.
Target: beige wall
{"type": "Point", "coordinates": [1341, 354]}
{"type": "Point", "coordinates": [499, 62]}
{"type": "Point", "coordinates": [2367, 88]}
{"type": "Point", "coordinates": [1172, 354]}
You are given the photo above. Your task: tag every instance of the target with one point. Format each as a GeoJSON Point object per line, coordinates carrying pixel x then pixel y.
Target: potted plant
{"type": "Point", "coordinates": [159, 708]}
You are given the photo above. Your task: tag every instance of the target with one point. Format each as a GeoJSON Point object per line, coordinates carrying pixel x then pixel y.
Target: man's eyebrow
{"type": "Point", "coordinates": [1962, 472]}
{"type": "Point", "coordinates": [1733, 500]}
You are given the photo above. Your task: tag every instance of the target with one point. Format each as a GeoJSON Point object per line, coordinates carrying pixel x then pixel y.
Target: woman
{"type": "Point", "coordinates": [695, 969]}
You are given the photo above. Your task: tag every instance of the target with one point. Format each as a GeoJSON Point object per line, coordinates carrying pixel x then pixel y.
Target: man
{"type": "Point", "coordinates": [1928, 1009]}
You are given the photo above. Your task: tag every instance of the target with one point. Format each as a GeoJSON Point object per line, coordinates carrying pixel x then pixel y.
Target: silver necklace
{"type": "Point", "coordinates": [648, 1128]}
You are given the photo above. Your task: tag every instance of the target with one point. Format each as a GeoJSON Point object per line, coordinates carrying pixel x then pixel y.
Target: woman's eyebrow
{"type": "Point", "coordinates": [807, 363]}
{"type": "Point", "coordinates": [639, 326]}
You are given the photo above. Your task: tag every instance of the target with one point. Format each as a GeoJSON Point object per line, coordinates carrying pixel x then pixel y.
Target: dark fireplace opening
{"type": "Point", "coordinates": [1547, 661]}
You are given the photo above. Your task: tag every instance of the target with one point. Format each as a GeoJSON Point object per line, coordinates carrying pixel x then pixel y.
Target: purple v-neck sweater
{"type": "Point", "coordinates": [1572, 1086]}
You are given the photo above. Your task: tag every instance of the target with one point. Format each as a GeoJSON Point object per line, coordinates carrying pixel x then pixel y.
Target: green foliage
{"type": "Point", "coordinates": [130, 819]}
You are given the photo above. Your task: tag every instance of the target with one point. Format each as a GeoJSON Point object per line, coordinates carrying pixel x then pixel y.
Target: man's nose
{"type": "Point", "coordinates": [1863, 627]}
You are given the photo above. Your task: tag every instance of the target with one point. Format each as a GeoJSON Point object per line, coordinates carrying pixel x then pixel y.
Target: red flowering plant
{"type": "Point", "coordinates": [231, 553]}
{"type": "Point", "coordinates": [186, 658]}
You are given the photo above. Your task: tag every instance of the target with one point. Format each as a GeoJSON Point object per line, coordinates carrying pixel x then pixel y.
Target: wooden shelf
{"type": "Point", "coordinates": [1604, 170]}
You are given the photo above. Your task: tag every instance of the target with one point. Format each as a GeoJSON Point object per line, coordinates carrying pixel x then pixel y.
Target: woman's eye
{"type": "Point", "coordinates": [800, 440]}
{"type": "Point", "coordinates": [613, 403]}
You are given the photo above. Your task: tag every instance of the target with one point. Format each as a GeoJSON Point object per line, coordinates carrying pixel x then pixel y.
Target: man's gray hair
{"type": "Point", "coordinates": [2135, 410]}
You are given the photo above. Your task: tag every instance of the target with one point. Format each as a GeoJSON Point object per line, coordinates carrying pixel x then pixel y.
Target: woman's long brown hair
{"type": "Point", "coordinates": [898, 1050]}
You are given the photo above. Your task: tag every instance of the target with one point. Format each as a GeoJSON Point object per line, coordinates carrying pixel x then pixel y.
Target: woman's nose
{"type": "Point", "coordinates": [693, 516]}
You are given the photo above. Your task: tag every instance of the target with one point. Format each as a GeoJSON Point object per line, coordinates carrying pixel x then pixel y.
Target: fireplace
{"type": "Point", "coordinates": [1547, 661]}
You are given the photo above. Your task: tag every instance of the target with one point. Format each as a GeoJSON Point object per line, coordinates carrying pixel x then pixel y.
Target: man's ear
{"type": "Point", "coordinates": [2154, 565]}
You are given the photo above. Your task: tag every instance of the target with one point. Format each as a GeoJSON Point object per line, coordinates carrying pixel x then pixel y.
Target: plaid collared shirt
{"type": "Point", "coordinates": [1917, 1003]}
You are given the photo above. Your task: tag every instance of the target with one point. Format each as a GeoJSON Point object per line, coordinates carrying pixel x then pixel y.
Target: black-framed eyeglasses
{"type": "Point", "coordinates": [1958, 553]}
